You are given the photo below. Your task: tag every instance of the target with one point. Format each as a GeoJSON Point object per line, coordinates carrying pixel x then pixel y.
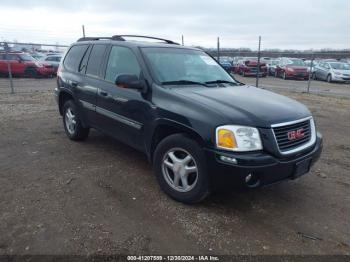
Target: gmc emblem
{"type": "Point", "coordinates": [296, 134]}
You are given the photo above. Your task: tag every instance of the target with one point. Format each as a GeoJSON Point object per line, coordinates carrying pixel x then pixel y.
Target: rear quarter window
{"type": "Point", "coordinates": [95, 60]}
{"type": "Point", "coordinates": [74, 57]}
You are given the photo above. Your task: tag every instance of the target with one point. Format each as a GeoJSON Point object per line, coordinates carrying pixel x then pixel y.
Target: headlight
{"type": "Point", "coordinates": [238, 138]}
{"type": "Point", "coordinates": [38, 64]}
{"type": "Point", "coordinates": [337, 73]}
{"type": "Point", "coordinates": [290, 69]}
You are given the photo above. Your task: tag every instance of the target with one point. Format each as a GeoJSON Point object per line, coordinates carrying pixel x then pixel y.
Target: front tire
{"type": "Point", "coordinates": [329, 78]}
{"type": "Point", "coordinates": [31, 73]}
{"type": "Point", "coordinates": [72, 122]}
{"type": "Point", "coordinates": [180, 167]}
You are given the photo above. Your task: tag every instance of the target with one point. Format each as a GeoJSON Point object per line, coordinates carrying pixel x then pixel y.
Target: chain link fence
{"type": "Point", "coordinates": [29, 67]}
{"type": "Point", "coordinates": [23, 66]}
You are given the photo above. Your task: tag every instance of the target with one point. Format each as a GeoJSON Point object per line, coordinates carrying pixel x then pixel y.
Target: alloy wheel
{"type": "Point", "coordinates": [70, 121]}
{"type": "Point", "coordinates": [180, 170]}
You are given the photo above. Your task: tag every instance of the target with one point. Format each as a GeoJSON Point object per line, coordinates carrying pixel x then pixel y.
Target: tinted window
{"type": "Point", "coordinates": [95, 60]}
{"type": "Point", "coordinates": [84, 61]}
{"type": "Point", "coordinates": [74, 56]}
{"type": "Point", "coordinates": [11, 57]}
{"type": "Point", "coordinates": [121, 61]}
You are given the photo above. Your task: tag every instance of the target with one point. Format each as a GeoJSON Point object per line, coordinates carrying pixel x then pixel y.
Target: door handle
{"type": "Point", "coordinates": [74, 84]}
{"type": "Point", "coordinates": [103, 93]}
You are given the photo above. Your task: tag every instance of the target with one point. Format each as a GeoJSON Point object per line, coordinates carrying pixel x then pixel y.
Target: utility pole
{"type": "Point", "coordinates": [258, 71]}
{"type": "Point", "coordinates": [83, 27]}
{"type": "Point", "coordinates": [310, 72]}
{"type": "Point", "coordinates": [7, 49]}
{"type": "Point", "coordinates": [218, 50]}
{"type": "Point", "coordinates": [182, 40]}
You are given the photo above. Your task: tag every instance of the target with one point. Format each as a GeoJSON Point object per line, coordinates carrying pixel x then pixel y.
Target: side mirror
{"type": "Point", "coordinates": [130, 81]}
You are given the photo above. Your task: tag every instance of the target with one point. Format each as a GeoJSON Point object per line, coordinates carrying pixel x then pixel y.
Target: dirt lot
{"type": "Point", "coordinates": [100, 196]}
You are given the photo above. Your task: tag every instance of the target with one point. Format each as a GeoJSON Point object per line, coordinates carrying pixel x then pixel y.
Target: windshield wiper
{"type": "Point", "coordinates": [221, 82]}
{"type": "Point", "coordinates": [183, 82]}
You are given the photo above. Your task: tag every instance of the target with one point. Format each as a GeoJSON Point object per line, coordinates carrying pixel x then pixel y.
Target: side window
{"type": "Point", "coordinates": [121, 61]}
{"type": "Point", "coordinates": [84, 61]}
{"type": "Point", "coordinates": [74, 56]}
{"type": "Point", "coordinates": [95, 60]}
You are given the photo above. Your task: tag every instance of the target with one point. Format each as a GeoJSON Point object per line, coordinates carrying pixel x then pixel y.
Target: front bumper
{"type": "Point", "coordinates": [261, 74]}
{"type": "Point", "coordinates": [301, 75]}
{"type": "Point", "coordinates": [267, 168]}
{"type": "Point", "coordinates": [45, 71]}
{"type": "Point", "coordinates": [340, 78]}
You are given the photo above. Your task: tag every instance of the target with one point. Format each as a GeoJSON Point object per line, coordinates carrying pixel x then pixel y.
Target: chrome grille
{"type": "Point", "coordinates": [288, 145]}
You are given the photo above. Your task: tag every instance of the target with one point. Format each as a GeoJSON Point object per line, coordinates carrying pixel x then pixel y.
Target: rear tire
{"type": "Point", "coordinates": [72, 122]}
{"type": "Point", "coordinates": [179, 158]}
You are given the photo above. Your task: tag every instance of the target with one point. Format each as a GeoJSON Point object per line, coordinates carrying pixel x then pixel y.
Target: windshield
{"type": "Point", "coordinates": [340, 66]}
{"type": "Point", "coordinates": [26, 57]}
{"type": "Point", "coordinates": [296, 62]}
{"type": "Point", "coordinates": [184, 65]}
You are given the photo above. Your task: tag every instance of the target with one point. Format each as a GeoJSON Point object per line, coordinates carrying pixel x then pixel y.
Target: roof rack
{"type": "Point", "coordinates": [121, 38]}
{"type": "Point", "coordinates": [93, 38]}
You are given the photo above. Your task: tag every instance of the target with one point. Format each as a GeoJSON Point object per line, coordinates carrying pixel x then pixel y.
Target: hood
{"type": "Point", "coordinates": [253, 63]}
{"type": "Point", "coordinates": [246, 105]}
{"type": "Point", "coordinates": [344, 72]}
{"type": "Point", "coordinates": [297, 67]}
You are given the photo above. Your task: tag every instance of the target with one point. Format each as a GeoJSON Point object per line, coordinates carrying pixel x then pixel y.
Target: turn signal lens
{"type": "Point", "coordinates": [226, 139]}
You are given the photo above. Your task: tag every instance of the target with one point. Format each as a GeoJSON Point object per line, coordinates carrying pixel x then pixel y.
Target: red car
{"type": "Point", "coordinates": [23, 64]}
{"type": "Point", "coordinates": [292, 68]}
{"type": "Point", "coordinates": [249, 67]}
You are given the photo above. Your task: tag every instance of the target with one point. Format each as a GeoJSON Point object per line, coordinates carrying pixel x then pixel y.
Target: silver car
{"type": "Point", "coordinates": [53, 60]}
{"type": "Point", "coordinates": [332, 72]}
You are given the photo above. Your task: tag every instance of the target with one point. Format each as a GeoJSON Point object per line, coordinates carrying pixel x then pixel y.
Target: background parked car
{"type": "Point", "coordinates": [313, 66]}
{"type": "Point", "coordinates": [54, 61]}
{"type": "Point", "coordinates": [332, 72]}
{"type": "Point", "coordinates": [226, 64]}
{"type": "Point", "coordinates": [271, 67]}
{"type": "Point", "coordinates": [291, 68]}
{"type": "Point", "coordinates": [38, 56]}
{"type": "Point", "coordinates": [249, 67]}
{"type": "Point", "coordinates": [23, 64]}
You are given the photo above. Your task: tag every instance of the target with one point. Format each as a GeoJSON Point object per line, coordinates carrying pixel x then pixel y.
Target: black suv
{"type": "Point", "coordinates": [196, 123]}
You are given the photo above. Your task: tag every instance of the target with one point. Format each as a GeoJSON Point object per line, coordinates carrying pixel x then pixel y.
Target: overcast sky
{"type": "Point", "coordinates": [298, 24]}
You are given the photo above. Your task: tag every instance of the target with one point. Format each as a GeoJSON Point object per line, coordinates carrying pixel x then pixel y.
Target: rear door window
{"type": "Point", "coordinates": [95, 60]}
{"type": "Point", "coordinates": [74, 56]}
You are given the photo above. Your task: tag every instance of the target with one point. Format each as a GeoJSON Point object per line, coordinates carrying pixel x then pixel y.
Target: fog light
{"type": "Point", "coordinates": [227, 159]}
{"type": "Point", "coordinates": [248, 178]}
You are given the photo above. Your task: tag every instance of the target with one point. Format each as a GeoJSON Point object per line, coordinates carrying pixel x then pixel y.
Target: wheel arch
{"type": "Point", "coordinates": [166, 128]}
{"type": "Point", "coordinates": [64, 96]}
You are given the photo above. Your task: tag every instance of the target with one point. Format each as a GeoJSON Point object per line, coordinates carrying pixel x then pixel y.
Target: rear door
{"type": "Point", "coordinates": [73, 79]}
{"type": "Point", "coordinates": [122, 111]}
{"type": "Point", "coordinates": [87, 90]}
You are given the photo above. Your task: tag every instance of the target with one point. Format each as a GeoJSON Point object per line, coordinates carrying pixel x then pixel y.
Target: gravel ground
{"type": "Point", "coordinates": [100, 196]}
